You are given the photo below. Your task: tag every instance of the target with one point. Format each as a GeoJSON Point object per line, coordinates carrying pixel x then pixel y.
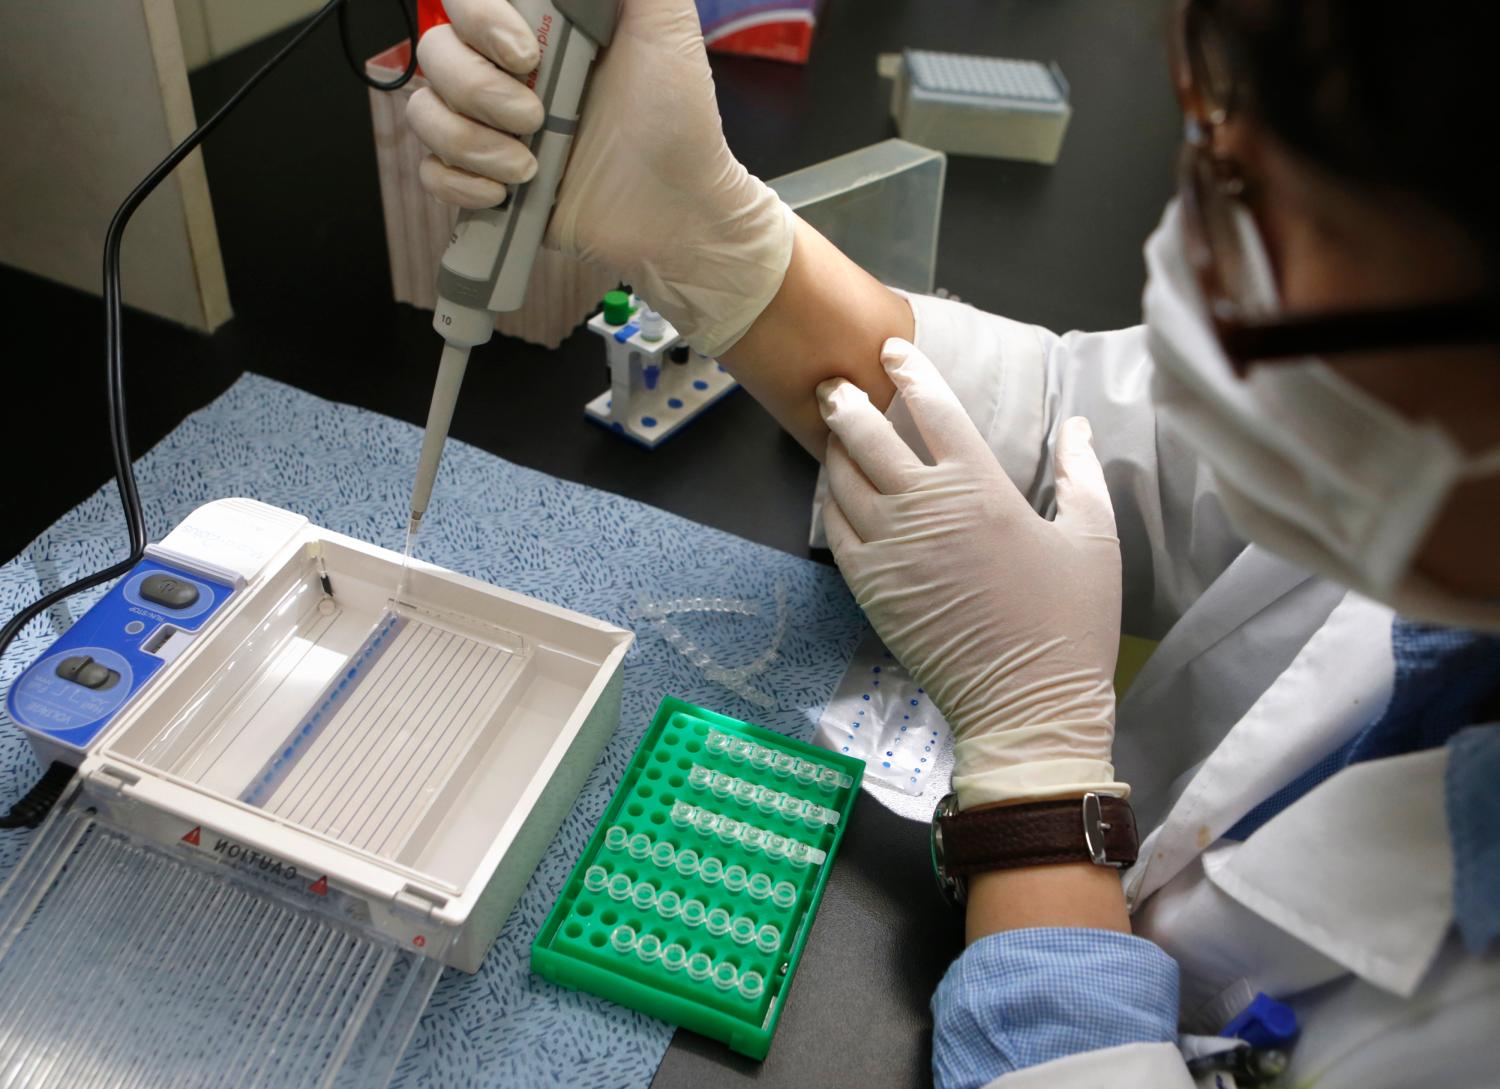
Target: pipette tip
{"type": "Point", "coordinates": [412, 526]}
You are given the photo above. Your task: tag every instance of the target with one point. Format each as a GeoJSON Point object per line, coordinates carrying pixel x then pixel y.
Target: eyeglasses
{"type": "Point", "coordinates": [1250, 327]}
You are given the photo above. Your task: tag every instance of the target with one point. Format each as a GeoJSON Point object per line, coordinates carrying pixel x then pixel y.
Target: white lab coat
{"type": "Point", "coordinates": [1344, 900]}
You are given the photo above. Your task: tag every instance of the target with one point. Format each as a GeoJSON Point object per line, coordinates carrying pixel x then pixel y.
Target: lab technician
{"type": "Point", "coordinates": [1289, 474]}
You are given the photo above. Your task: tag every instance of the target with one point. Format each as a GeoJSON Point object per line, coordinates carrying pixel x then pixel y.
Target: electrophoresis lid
{"type": "Point", "coordinates": [126, 964]}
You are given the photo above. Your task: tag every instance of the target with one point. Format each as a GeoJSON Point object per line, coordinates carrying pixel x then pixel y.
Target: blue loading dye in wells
{"type": "Point", "coordinates": [263, 787]}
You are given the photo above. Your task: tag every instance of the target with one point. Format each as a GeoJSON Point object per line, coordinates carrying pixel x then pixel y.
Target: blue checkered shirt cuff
{"type": "Point", "coordinates": [1026, 997]}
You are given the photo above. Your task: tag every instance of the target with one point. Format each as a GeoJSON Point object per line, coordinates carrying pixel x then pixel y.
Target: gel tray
{"type": "Point", "coordinates": [694, 897]}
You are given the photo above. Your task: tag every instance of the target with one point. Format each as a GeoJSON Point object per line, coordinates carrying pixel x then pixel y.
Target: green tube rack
{"type": "Point", "coordinates": [695, 895]}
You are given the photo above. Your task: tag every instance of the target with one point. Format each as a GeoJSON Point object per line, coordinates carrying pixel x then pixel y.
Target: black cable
{"type": "Point", "coordinates": [31, 810]}
{"type": "Point", "coordinates": [130, 499]}
{"type": "Point", "coordinates": [347, 41]}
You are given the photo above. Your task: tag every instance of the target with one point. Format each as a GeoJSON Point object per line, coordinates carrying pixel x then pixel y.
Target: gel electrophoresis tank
{"type": "Point", "coordinates": [297, 799]}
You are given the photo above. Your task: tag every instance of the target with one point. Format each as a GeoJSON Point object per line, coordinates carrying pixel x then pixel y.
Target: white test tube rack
{"type": "Point", "coordinates": [658, 384]}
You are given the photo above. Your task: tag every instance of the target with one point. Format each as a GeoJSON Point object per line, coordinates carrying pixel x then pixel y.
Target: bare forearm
{"type": "Point", "coordinates": [828, 320]}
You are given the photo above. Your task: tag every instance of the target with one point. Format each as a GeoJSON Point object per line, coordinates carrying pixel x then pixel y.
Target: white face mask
{"type": "Point", "coordinates": [1308, 465]}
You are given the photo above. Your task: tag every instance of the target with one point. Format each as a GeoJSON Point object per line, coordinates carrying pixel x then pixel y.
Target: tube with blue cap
{"type": "Point", "coordinates": [488, 262]}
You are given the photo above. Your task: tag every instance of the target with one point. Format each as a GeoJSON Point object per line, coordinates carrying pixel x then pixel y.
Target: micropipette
{"type": "Point", "coordinates": [488, 262]}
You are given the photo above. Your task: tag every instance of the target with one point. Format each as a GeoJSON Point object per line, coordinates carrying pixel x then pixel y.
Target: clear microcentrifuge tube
{"type": "Point", "coordinates": [768, 938]}
{"type": "Point", "coordinates": [776, 846]}
{"type": "Point", "coordinates": [705, 822]}
{"type": "Point", "coordinates": [668, 904]}
{"type": "Point", "coordinates": [693, 912]}
{"type": "Point", "coordinates": [644, 896]}
{"type": "Point", "coordinates": [729, 831]}
{"type": "Point", "coordinates": [745, 791]}
{"type": "Point", "coordinates": [699, 967]}
{"type": "Point", "coordinates": [752, 985]}
{"type": "Point", "coordinates": [762, 758]}
{"type": "Point", "coordinates": [700, 777]}
{"type": "Point", "coordinates": [640, 845]}
{"type": "Point", "coordinates": [616, 838]}
{"type": "Point", "coordinates": [673, 957]}
{"type": "Point", "coordinates": [663, 854]}
{"type": "Point", "coordinates": [682, 814]}
{"type": "Point", "coordinates": [785, 763]}
{"type": "Point", "coordinates": [623, 938]}
{"type": "Point", "coordinates": [742, 930]}
{"type": "Point", "coordinates": [735, 878]}
{"type": "Point", "coordinates": [619, 887]}
{"type": "Point", "coordinates": [717, 743]}
{"type": "Point", "coordinates": [726, 976]}
{"type": "Point", "coordinates": [806, 772]}
{"type": "Point", "coordinates": [711, 870]}
{"type": "Point", "coordinates": [687, 862]}
{"type": "Point", "coordinates": [595, 878]}
{"type": "Point", "coordinates": [784, 895]}
{"type": "Point", "coordinates": [798, 855]}
{"type": "Point", "coordinates": [752, 839]}
{"type": "Point", "coordinates": [759, 886]}
{"type": "Point", "coordinates": [739, 750]}
{"type": "Point", "coordinates": [721, 784]}
{"type": "Point", "coordinates": [768, 801]}
{"type": "Point", "coordinates": [718, 922]}
{"type": "Point", "coordinates": [652, 325]}
{"type": "Point", "coordinates": [791, 809]}
{"type": "Point", "coordinates": [648, 947]}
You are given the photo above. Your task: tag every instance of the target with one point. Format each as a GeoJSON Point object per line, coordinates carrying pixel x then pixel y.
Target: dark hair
{"type": "Point", "coordinates": [1386, 91]}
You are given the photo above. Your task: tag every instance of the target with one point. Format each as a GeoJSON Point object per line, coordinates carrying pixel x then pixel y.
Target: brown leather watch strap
{"type": "Point", "coordinates": [1036, 834]}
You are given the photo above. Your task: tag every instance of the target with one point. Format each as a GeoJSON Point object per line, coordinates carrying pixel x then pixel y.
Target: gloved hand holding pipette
{"type": "Point", "coordinates": [507, 89]}
{"type": "Point", "coordinates": [486, 268]}
{"type": "Point", "coordinates": [651, 190]}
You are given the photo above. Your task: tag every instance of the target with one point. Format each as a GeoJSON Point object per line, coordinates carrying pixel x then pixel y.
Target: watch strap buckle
{"type": "Point", "coordinates": [1094, 829]}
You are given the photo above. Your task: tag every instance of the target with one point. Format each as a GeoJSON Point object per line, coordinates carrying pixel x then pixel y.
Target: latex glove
{"type": "Point", "coordinates": [651, 190]}
{"type": "Point", "coordinates": [1010, 622]}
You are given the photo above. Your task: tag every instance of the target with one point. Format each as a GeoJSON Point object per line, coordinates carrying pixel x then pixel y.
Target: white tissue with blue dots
{"type": "Point", "coordinates": [881, 715]}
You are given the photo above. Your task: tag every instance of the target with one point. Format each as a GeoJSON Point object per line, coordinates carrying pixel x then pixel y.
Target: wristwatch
{"type": "Point", "coordinates": [1097, 828]}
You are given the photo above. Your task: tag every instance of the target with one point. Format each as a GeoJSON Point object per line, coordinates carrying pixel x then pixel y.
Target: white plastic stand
{"type": "Point", "coordinates": [657, 387]}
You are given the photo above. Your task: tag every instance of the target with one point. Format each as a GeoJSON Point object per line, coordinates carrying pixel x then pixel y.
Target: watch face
{"type": "Point", "coordinates": [952, 888]}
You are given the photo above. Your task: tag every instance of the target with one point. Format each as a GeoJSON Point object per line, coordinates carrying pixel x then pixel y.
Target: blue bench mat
{"type": "Point", "coordinates": [350, 470]}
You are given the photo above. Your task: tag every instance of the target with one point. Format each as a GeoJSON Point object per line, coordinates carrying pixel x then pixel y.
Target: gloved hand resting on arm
{"type": "Point", "coordinates": [1010, 622]}
{"type": "Point", "coordinates": [653, 191]}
